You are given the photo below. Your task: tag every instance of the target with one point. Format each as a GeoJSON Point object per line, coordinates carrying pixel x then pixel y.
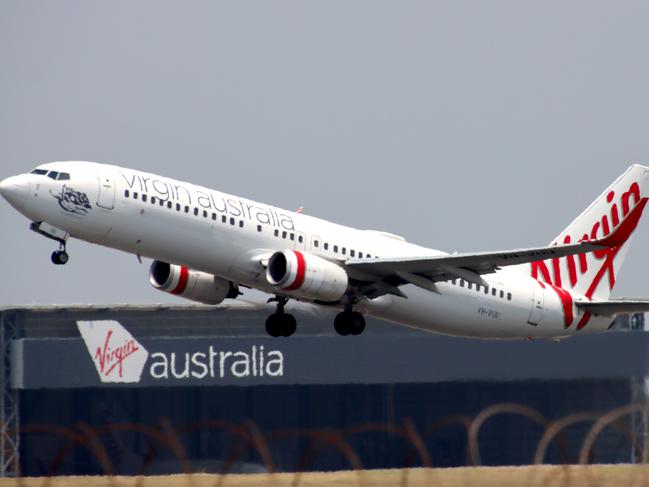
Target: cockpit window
{"type": "Point", "coordinates": [56, 175]}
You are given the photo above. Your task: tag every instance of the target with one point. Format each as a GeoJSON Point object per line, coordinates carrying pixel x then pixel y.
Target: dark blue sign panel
{"type": "Point", "coordinates": [108, 355]}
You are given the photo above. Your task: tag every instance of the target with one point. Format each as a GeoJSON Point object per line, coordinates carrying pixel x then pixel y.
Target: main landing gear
{"type": "Point", "coordinates": [280, 323]}
{"type": "Point", "coordinates": [349, 322]}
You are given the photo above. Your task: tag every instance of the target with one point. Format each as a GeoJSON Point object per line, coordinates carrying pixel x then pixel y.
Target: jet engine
{"type": "Point", "coordinates": [190, 284]}
{"type": "Point", "coordinates": [307, 275]}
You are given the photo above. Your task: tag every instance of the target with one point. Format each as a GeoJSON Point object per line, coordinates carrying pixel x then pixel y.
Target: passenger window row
{"type": "Point", "coordinates": [292, 236]}
{"type": "Point", "coordinates": [486, 289]}
{"type": "Point", "coordinates": [316, 243]}
{"type": "Point", "coordinates": [182, 208]}
{"type": "Point", "coordinates": [284, 234]}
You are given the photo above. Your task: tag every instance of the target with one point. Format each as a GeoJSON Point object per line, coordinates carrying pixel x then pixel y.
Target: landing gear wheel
{"type": "Point", "coordinates": [356, 323]}
{"type": "Point", "coordinates": [281, 324]}
{"type": "Point", "coordinates": [60, 257]}
{"type": "Point", "coordinates": [273, 325]}
{"type": "Point", "coordinates": [349, 323]}
{"type": "Point", "coordinates": [340, 323]}
{"type": "Point", "coordinates": [289, 325]}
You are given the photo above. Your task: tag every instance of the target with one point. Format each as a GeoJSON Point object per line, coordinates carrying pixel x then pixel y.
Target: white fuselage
{"type": "Point", "coordinates": [229, 236]}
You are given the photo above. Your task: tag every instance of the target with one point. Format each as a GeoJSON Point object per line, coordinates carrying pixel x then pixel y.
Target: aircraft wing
{"type": "Point", "coordinates": [614, 307]}
{"type": "Point", "coordinates": [426, 271]}
{"type": "Point", "coordinates": [385, 275]}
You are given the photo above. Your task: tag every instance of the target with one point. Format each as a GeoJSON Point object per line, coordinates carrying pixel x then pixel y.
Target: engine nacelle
{"type": "Point", "coordinates": [307, 275]}
{"type": "Point", "coordinates": [190, 284]}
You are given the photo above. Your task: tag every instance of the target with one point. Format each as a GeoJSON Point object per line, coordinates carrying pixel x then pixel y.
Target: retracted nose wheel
{"type": "Point", "coordinates": [60, 257]}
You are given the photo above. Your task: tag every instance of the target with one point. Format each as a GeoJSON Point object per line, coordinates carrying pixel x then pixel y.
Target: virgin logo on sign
{"type": "Point", "coordinates": [118, 357]}
{"type": "Point", "coordinates": [112, 358]}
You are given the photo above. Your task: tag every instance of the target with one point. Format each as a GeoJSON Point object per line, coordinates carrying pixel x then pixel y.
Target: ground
{"type": "Point", "coordinates": [542, 476]}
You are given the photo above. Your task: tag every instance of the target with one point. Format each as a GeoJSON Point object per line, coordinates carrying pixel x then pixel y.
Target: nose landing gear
{"type": "Point", "coordinates": [60, 257]}
{"type": "Point", "coordinates": [280, 323]}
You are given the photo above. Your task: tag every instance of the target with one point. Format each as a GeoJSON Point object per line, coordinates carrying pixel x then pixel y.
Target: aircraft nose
{"type": "Point", "coordinates": [15, 189]}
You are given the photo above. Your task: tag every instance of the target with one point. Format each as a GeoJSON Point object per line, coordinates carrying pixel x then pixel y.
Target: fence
{"type": "Point", "coordinates": [250, 441]}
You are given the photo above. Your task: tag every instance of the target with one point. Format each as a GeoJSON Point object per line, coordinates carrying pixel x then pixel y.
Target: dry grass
{"type": "Point", "coordinates": [542, 476]}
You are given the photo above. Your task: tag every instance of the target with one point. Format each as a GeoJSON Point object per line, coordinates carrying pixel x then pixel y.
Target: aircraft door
{"type": "Point", "coordinates": [106, 194]}
{"type": "Point", "coordinates": [538, 303]}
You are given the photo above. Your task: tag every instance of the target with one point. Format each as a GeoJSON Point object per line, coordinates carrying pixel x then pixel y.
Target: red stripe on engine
{"type": "Point", "coordinates": [182, 281]}
{"type": "Point", "coordinates": [301, 270]}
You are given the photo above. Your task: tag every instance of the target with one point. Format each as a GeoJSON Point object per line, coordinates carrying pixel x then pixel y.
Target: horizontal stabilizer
{"type": "Point", "coordinates": [614, 307]}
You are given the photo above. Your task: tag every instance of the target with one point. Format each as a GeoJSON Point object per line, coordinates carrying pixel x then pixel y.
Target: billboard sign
{"type": "Point", "coordinates": [107, 354]}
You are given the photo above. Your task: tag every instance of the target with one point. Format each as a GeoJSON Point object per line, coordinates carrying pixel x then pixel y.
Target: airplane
{"type": "Point", "coordinates": [206, 245]}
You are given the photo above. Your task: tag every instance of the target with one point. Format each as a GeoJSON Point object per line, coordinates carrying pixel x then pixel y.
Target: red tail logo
{"type": "Point", "coordinates": [629, 202]}
{"type": "Point", "coordinates": [111, 357]}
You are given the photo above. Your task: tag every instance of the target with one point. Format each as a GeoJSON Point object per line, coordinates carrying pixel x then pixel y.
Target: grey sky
{"type": "Point", "coordinates": [460, 125]}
